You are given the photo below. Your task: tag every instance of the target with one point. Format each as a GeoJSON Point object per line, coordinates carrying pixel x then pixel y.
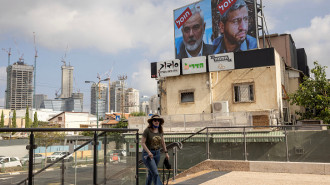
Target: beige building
{"type": "Point", "coordinates": [259, 84]}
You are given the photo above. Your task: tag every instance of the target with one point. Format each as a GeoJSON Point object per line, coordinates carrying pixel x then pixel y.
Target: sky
{"type": "Point", "coordinates": [124, 36]}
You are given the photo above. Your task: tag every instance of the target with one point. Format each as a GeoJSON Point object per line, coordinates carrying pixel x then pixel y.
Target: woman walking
{"type": "Point", "coordinates": [152, 140]}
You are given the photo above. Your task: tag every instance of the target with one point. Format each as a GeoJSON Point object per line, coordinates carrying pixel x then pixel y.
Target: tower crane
{"type": "Point", "coordinates": [64, 57]}
{"type": "Point", "coordinates": [35, 69]}
{"type": "Point", "coordinates": [20, 59]}
{"type": "Point", "coordinates": [9, 53]}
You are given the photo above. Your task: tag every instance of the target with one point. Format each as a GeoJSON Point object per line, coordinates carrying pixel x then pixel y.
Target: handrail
{"type": "Point", "coordinates": [32, 130]}
{"type": "Point", "coordinates": [172, 145]}
{"type": "Point", "coordinates": [67, 129]}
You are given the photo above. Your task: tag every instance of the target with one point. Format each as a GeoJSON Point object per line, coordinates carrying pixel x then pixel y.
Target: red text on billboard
{"type": "Point", "coordinates": [183, 18]}
{"type": "Point", "coordinates": [225, 5]}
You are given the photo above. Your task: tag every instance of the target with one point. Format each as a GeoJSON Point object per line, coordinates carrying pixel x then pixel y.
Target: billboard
{"type": "Point", "coordinates": [215, 26]}
{"type": "Point", "coordinates": [194, 65]}
{"type": "Point", "coordinates": [221, 62]}
{"type": "Point", "coordinates": [168, 68]}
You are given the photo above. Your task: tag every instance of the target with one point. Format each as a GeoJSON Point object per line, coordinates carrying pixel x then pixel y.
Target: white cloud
{"type": "Point", "coordinates": [315, 40]}
{"type": "Point", "coordinates": [142, 80]}
{"type": "Point", "coordinates": [109, 26]}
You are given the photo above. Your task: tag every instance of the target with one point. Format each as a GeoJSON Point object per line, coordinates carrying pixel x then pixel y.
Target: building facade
{"type": "Point", "coordinates": [39, 100]}
{"type": "Point", "coordinates": [132, 100]}
{"type": "Point", "coordinates": [116, 95]}
{"type": "Point", "coordinates": [19, 91]}
{"type": "Point", "coordinates": [67, 81]}
{"type": "Point", "coordinates": [99, 99]}
{"type": "Point", "coordinates": [259, 83]}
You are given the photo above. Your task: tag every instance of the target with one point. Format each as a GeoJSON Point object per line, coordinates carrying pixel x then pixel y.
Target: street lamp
{"type": "Point", "coordinates": [97, 99]}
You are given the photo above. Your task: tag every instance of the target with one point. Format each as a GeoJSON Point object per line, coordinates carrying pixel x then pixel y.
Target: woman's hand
{"type": "Point", "coordinates": [150, 155]}
{"type": "Point", "coordinates": [167, 156]}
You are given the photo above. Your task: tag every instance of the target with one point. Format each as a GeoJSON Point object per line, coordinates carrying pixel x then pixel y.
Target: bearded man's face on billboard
{"type": "Point", "coordinates": [236, 27]}
{"type": "Point", "coordinates": [192, 31]}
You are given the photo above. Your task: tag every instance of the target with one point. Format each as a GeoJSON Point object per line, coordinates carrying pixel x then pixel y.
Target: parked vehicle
{"type": "Point", "coordinates": [117, 155]}
{"type": "Point", "coordinates": [37, 159]}
{"type": "Point", "coordinates": [57, 155]}
{"type": "Point", "coordinates": [10, 162]}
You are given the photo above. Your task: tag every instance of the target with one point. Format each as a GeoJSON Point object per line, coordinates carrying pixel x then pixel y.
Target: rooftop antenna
{"type": "Point", "coordinates": [35, 70]}
{"type": "Point", "coordinates": [9, 53]}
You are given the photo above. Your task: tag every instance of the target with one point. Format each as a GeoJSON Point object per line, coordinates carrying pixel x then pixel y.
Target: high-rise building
{"type": "Point", "coordinates": [39, 100]}
{"type": "Point", "coordinates": [75, 102]}
{"type": "Point", "coordinates": [154, 104]}
{"type": "Point", "coordinates": [144, 107]}
{"type": "Point", "coordinates": [67, 81]}
{"type": "Point", "coordinates": [132, 100]}
{"type": "Point", "coordinates": [19, 91]}
{"type": "Point", "coordinates": [99, 96]}
{"type": "Point", "coordinates": [115, 95]}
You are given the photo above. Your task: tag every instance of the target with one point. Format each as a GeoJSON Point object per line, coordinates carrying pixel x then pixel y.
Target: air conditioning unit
{"type": "Point", "coordinates": [220, 107]}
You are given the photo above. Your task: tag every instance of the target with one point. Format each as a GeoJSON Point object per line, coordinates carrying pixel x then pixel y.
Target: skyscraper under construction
{"type": "Point", "coordinates": [19, 91]}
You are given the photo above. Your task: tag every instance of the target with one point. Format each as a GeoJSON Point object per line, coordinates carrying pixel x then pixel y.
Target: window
{"type": "Point", "coordinates": [187, 96]}
{"type": "Point", "coordinates": [59, 118]}
{"type": "Point", "coordinates": [244, 92]}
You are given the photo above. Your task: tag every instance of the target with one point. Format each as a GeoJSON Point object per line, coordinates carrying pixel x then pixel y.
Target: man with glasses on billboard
{"type": "Point", "coordinates": [192, 31]}
{"type": "Point", "coordinates": [233, 25]}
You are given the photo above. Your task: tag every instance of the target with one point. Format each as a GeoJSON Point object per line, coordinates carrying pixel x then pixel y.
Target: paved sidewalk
{"type": "Point", "coordinates": [251, 178]}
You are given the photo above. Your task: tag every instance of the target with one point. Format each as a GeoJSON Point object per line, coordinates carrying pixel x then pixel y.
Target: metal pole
{"type": "Point", "coordinates": [184, 122]}
{"type": "Point", "coordinates": [207, 144]}
{"type": "Point", "coordinates": [75, 165]}
{"type": "Point", "coordinates": [245, 152]}
{"type": "Point", "coordinates": [62, 174]}
{"type": "Point", "coordinates": [174, 163]}
{"type": "Point", "coordinates": [95, 160]}
{"type": "Point", "coordinates": [137, 158]}
{"type": "Point", "coordinates": [97, 106]}
{"type": "Point", "coordinates": [31, 147]}
{"type": "Point", "coordinates": [286, 144]}
{"type": "Point", "coordinates": [105, 158]}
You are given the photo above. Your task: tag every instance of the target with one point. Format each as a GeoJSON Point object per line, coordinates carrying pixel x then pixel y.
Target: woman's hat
{"type": "Point", "coordinates": [156, 117]}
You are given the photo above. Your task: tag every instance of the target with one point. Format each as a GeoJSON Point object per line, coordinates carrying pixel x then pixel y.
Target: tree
{"type": "Point", "coordinates": [35, 120]}
{"type": "Point", "coordinates": [313, 94]}
{"type": "Point", "coordinates": [2, 121]}
{"type": "Point", "coordinates": [47, 139]}
{"type": "Point", "coordinates": [136, 114]}
{"type": "Point", "coordinates": [13, 122]}
{"type": "Point", "coordinates": [27, 118]}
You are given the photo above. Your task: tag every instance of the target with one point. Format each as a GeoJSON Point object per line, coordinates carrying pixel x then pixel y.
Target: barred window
{"type": "Point", "coordinates": [244, 92]}
{"type": "Point", "coordinates": [187, 97]}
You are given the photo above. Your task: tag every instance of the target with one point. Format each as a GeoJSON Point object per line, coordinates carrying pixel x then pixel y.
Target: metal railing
{"type": "Point", "coordinates": [103, 132]}
{"type": "Point", "coordinates": [244, 135]}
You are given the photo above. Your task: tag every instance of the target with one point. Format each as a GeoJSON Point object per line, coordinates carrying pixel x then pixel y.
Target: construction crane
{"type": "Point", "coordinates": [9, 53]}
{"type": "Point", "coordinates": [56, 92]}
{"type": "Point", "coordinates": [35, 69]}
{"type": "Point", "coordinates": [20, 59]}
{"type": "Point", "coordinates": [64, 57]}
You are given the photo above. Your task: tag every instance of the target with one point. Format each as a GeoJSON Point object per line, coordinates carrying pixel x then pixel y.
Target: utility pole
{"type": "Point", "coordinates": [122, 79]}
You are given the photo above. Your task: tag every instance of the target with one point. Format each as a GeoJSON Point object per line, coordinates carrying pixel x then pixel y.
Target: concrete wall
{"type": "Point", "coordinates": [282, 45]}
{"type": "Point", "coordinates": [264, 87]}
{"type": "Point", "coordinates": [171, 101]}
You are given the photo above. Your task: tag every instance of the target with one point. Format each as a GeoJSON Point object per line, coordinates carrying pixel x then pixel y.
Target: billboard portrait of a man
{"type": "Point", "coordinates": [192, 36]}
{"type": "Point", "coordinates": [235, 25]}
